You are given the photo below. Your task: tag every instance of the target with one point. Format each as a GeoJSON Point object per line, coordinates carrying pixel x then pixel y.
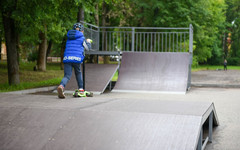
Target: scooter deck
{"type": "Point", "coordinates": [77, 93]}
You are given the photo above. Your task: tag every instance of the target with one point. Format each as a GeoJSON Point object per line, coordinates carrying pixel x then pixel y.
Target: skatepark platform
{"type": "Point", "coordinates": [162, 72]}
{"type": "Point", "coordinates": [97, 78]}
{"type": "Point", "coordinates": [42, 122]}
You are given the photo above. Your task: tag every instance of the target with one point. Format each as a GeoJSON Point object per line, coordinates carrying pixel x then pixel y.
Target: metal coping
{"type": "Point", "coordinates": [150, 92]}
{"type": "Point", "coordinates": [97, 52]}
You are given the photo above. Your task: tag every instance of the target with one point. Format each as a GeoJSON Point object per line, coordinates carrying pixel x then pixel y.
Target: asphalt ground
{"type": "Point", "coordinates": [216, 78]}
{"type": "Point", "coordinates": [220, 87]}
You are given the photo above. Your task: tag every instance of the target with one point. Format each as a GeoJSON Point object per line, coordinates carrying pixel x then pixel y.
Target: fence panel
{"type": "Point", "coordinates": [140, 39]}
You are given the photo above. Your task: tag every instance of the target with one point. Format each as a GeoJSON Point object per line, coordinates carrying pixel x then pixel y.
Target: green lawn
{"type": "Point", "coordinates": [33, 79]}
{"type": "Point", "coordinates": [29, 78]}
{"type": "Point", "coordinates": [208, 67]}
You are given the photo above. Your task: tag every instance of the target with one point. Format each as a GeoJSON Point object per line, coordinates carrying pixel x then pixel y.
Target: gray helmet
{"type": "Point", "coordinates": [78, 25]}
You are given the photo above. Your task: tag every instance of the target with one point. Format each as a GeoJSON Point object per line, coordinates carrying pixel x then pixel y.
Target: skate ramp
{"type": "Point", "coordinates": [97, 78]}
{"type": "Point", "coordinates": [43, 122]}
{"type": "Point", "coordinates": [153, 72]}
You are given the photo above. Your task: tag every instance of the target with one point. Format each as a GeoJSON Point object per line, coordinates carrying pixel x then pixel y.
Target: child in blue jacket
{"type": "Point", "coordinates": [73, 57]}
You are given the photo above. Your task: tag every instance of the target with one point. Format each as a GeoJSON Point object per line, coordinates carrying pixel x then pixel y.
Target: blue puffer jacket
{"type": "Point", "coordinates": [74, 47]}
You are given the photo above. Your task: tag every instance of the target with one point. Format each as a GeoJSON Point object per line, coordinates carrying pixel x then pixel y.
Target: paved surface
{"type": "Point", "coordinates": [226, 100]}
{"type": "Point", "coordinates": [153, 72]}
{"type": "Point", "coordinates": [216, 78]}
{"type": "Point", "coordinates": [45, 122]}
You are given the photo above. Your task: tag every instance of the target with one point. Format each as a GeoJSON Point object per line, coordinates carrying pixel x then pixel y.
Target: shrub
{"type": "Point", "coordinates": [234, 61]}
{"type": "Point", "coordinates": [32, 56]}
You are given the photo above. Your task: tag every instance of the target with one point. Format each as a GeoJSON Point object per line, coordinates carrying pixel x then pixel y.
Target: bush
{"type": "Point", "coordinates": [32, 56]}
{"type": "Point", "coordinates": [194, 62]}
{"type": "Point", "coordinates": [215, 61]}
{"type": "Point", "coordinates": [234, 61]}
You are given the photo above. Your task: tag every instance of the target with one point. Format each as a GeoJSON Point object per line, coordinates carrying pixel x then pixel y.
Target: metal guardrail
{"type": "Point", "coordinates": [115, 40]}
{"type": "Point", "coordinates": [140, 39]}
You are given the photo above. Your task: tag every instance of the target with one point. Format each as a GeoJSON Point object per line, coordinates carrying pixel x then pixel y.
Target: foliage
{"type": "Point", "coordinates": [32, 56]}
{"type": "Point", "coordinates": [32, 16]}
{"type": "Point", "coordinates": [207, 18]}
{"type": "Point", "coordinates": [234, 61]}
{"type": "Point", "coordinates": [210, 19]}
{"type": "Point", "coordinates": [234, 27]}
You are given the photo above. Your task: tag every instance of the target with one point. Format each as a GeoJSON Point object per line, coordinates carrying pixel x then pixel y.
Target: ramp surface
{"type": "Point", "coordinates": [153, 72]}
{"type": "Point", "coordinates": [97, 77]}
{"type": "Point", "coordinates": [44, 122]}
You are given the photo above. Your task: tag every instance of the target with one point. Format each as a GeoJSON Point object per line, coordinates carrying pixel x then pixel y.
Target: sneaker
{"type": "Point", "coordinates": [60, 91]}
{"type": "Point", "coordinates": [81, 93]}
{"type": "Point", "coordinates": [81, 90]}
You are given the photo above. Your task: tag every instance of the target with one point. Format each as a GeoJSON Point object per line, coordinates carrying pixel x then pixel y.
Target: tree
{"type": "Point", "coordinates": [207, 18]}
{"type": "Point", "coordinates": [209, 23]}
{"type": "Point", "coordinates": [233, 20]}
{"type": "Point", "coordinates": [7, 10]}
{"type": "Point", "coordinates": [42, 52]}
{"type": "Point", "coordinates": [43, 21]}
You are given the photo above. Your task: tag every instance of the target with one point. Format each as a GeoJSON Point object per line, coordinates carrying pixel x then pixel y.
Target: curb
{"type": "Point", "coordinates": [215, 85]}
{"type": "Point", "coordinates": [28, 91]}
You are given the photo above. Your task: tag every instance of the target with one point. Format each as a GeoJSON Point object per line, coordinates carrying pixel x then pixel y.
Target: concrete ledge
{"type": "Point", "coordinates": [28, 91]}
{"type": "Point", "coordinates": [215, 85]}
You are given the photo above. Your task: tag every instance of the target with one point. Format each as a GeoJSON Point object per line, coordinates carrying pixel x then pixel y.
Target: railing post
{"type": "Point", "coordinates": [98, 43]}
{"type": "Point", "coordinates": [191, 55]}
{"type": "Point", "coordinates": [190, 38]}
{"type": "Point", "coordinates": [133, 38]}
{"type": "Point", "coordinates": [91, 31]}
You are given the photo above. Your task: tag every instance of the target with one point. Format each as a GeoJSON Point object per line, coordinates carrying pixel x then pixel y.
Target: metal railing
{"type": "Point", "coordinates": [140, 39]}
{"type": "Point", "coordinates": [114, 40]}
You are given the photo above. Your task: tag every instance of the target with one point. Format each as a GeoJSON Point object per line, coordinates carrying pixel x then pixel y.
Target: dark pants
{"type": "Point", "coordinates": [225, 67]}
{"type": "Point", "coordinates": [68, 73]}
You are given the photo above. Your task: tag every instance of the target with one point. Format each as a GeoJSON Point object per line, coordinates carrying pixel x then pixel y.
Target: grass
{"type": "Point", "coordinates": [115, 77]}
{"type": "Point", "coordinates": [208, 67]}
{"type": "Point", "coordinates": [29, 78]}
{"type": "Point", "coordinates": [33, 79]}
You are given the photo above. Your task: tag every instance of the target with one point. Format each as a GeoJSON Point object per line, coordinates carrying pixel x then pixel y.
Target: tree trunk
{"type": "Point", "coordinates": [11, 44]}
{"type": "Point", "coordinates": [80, 15]}
{"type": "Point", "coordinates": [225, 45]}
{"type": "Point", "coordinates": [96, 15]}
{"type": "Point", "coordinates": [49, 49]}
{"type": "Point", "coordinates": [41, 62]}
{"type": "Point", "coordinates": [0, 48]}
{"type": "Point", "coordinates": [18, 49]}
{"type": "Point", "coordinates": [63, 45]}
{"type": "Point", "coordinates": [104, 17]}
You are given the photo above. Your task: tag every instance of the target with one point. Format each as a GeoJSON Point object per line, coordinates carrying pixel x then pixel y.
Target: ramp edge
{"type": "Point", "coordinates": [151, 92]}
{"type": "Point", "coordinates": [109, 80]}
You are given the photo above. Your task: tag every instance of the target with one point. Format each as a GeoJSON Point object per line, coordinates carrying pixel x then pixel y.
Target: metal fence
{"type": "Point", "coordinates": [114, 40]}
{"type": "Point", "coordinates": [140, 39]}
{"type": "Point", "coordinates": [92, 32]}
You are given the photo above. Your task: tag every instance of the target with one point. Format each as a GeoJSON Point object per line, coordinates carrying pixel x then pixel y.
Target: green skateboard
{"type": "Point", "coordinates": [77, 93]}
